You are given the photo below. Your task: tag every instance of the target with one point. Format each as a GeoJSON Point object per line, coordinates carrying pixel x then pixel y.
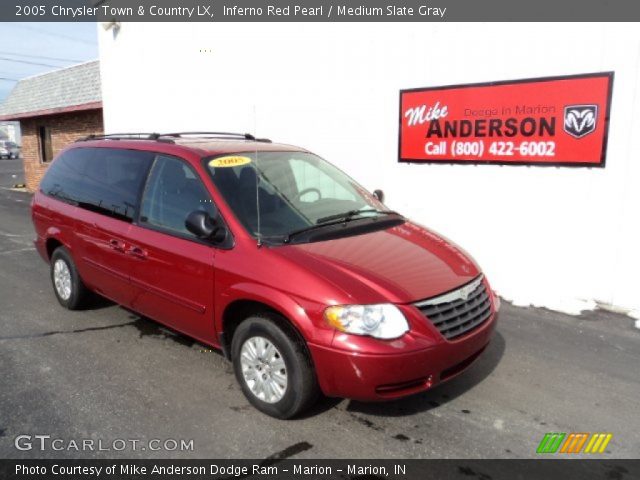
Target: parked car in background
{"type": "Point", "coordinates": [300, 276]}
{"type": "Point", "coordinates": [9, 149]}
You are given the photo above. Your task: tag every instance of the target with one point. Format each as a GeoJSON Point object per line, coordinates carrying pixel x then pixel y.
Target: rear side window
{"type": "Point", "coordinates": [103, 180]}
{"type": "Point", "coordinates": [63, 179]}
{"type": "Point", "coordinates": [113, 179]}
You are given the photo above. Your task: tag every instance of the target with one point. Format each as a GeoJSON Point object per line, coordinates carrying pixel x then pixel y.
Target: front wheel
{"type": "Point", "coordinates": [273, 367]}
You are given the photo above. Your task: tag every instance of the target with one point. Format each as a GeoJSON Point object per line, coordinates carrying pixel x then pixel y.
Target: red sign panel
{"type": "Point", "coordinates": [542, 121]}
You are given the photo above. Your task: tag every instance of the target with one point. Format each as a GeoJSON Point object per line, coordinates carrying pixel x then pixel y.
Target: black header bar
{"type": "Point", "coordinates": [318, 11]}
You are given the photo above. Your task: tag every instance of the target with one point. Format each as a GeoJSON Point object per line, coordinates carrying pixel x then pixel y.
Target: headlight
{"type": "Point", "coordinates": [379, 321]}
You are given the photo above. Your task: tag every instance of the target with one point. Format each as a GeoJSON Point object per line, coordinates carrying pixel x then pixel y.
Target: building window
{"type": "Point", "coordinates": [46, 150]}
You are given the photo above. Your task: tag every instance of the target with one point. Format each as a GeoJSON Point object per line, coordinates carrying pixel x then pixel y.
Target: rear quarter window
{"type": "Point", "coordinates": [104, 180]}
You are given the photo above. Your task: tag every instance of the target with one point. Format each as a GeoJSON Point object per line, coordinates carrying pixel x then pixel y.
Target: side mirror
{"type": "Point", "coordinates": [203, 226]}
{"type": "Point", "coordinates": [379, 194]}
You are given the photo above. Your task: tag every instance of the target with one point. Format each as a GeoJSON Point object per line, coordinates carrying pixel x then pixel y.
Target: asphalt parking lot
{"type": "Point", "coordinates": [107, 374]}
{"type": "Point", "coordinates": [11, 172]}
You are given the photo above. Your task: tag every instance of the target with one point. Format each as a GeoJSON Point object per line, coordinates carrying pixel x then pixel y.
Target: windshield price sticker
{"type": "Point", "coordinates": [229, 161]}
{"type": "Point", "coordinates": [552, 121]}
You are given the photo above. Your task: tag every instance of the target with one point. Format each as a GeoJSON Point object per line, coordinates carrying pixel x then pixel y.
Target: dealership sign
{"type": "Point", "coordinates": [542, 121]}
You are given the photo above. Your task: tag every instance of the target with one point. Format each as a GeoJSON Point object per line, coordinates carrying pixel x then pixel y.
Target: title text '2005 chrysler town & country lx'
{"type": "Point", "coordinates": [303, 279]}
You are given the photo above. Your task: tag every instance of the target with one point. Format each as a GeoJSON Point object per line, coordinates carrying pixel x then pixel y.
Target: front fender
{"type": "Point", "coordinates": [301, 313]}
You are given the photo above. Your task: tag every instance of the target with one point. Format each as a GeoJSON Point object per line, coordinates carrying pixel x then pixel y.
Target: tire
{"type": "Point", "coordinates": [70, 290]}
{"type": "Point", "coordinates": [289, 352]}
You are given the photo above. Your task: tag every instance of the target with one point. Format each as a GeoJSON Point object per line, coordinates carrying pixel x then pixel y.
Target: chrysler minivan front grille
{"type": "Point", "coordinates": [460, 311]}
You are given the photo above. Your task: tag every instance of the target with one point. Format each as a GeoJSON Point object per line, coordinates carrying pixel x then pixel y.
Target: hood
{"type": "Point", "coordinates": [402, 264]}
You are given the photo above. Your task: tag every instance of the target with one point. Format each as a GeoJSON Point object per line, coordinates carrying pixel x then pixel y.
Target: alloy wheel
{"type": "Point", "coordinates": [62, 279]}
{"type": "Point", "coordinates": [263, 369]}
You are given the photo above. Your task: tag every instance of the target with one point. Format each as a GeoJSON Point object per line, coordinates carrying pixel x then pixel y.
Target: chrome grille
{"type": "Point", "coordinates": [460, 311]}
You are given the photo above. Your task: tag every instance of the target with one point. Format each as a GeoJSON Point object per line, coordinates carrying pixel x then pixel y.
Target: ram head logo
{"type": "Point", "coordinates": [580, 120]}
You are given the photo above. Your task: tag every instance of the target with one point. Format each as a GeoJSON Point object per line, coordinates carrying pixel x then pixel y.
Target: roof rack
{"type": "Point", "coordinates": [231, 135]}
{"type": "Point", "coordinates": [121, 136]}
{"type": "Point", "coordinates": [167, 137]}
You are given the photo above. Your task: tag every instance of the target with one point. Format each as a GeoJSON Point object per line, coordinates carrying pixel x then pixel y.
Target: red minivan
{"type": "Point", "coordinates": [301, 277]}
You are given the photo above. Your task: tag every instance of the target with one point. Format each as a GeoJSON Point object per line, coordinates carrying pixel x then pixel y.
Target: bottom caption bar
{"type": "Point", "coordinates": [276, 468]}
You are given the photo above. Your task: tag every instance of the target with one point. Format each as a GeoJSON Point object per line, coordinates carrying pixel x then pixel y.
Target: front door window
{"type": "Point", "coordinates": [173, 191]}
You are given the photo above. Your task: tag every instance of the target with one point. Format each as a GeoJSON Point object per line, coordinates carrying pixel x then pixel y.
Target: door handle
{"type": "Point", "coordinates": [117, 245]}
{"type": "Point", "coordinates": [137, 252]}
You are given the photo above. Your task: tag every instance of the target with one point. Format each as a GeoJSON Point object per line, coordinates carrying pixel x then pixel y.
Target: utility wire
{"type": "Point", "coordinates": [29, 63]}
{"type": "Point", "coordinates": [53, 34]}
{"type": "Point", "coordinates": [40, 56]}
{"type": "Point", "coordinates": [8, 79]}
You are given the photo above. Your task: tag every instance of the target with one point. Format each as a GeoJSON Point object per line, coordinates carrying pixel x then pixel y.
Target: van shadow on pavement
{"type": "Point", "coordinates": [145, 326]}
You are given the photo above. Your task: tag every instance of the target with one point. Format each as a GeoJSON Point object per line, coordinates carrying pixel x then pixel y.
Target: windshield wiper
{"type": "Point", "coordinates": [334, 220]}
{"type": "Point", "coordinates": [288, 236]}
{"type": "Point", "coordinates": [352, 213]}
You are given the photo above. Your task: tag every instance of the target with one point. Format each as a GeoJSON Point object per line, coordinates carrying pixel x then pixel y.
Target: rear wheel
{"type": "Point", "coordinates": [67, 284]}
{"type": "Point", "coordinates": [273, 367]}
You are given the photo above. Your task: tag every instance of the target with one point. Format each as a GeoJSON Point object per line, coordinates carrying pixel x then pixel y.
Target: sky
{"type": "Point", "coordinates": [28, 49]}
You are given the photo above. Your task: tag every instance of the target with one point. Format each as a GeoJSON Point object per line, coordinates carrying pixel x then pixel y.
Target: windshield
{"type": "Point", "coordinates": [294, 191]}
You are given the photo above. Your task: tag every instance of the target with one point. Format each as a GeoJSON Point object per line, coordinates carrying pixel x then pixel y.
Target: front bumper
{"type": "Point", "coordinates": [377, 377]}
